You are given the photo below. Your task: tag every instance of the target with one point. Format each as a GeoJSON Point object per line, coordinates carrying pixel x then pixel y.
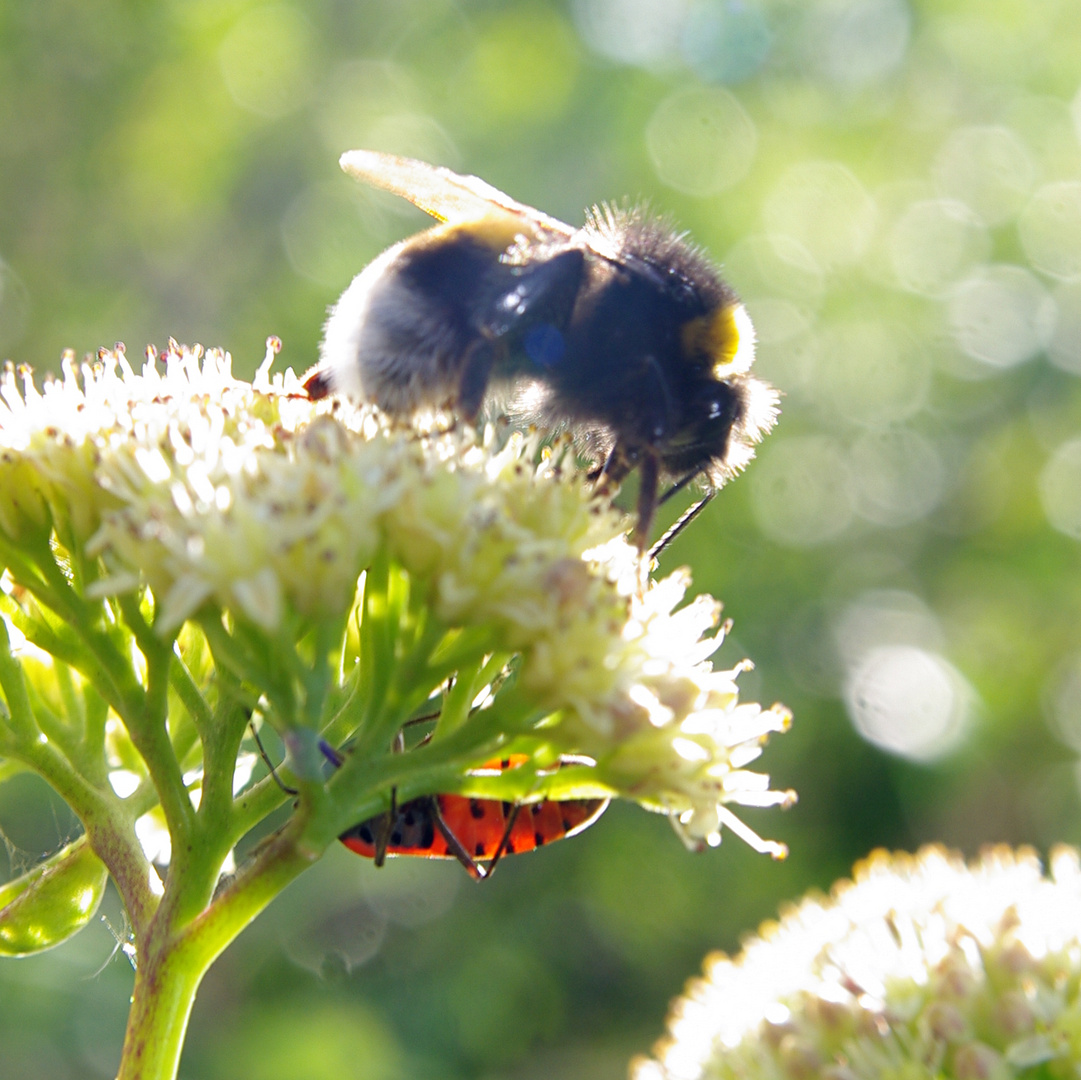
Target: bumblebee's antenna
{"type": "Point", "coordinates": [682, 522]}
{"type": "Point", "coordinates": [680, 484]}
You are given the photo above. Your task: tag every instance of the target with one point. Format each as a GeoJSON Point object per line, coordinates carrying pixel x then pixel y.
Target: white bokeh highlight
{"type": "Point", "coordinates": [800, 491]}
{"type": "Point", "coordinates": [908, 701]}
{"type": "Point", "coordinates": [701, 141]}
{"type": "Point", "coordinates": [1060, 489]}
{"type": "Point", "coordinates": [1002, 316]}
{"type": "Point", "coordinates": [900, 692]}
{"type": "Point", "coordinates": [1050, 230]}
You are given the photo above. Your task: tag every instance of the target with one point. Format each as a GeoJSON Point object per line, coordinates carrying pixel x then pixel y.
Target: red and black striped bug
{"type": "Point", "coordinates": [473, 831]}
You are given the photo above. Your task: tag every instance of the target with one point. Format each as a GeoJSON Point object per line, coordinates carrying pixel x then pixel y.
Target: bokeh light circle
{"type": "Point", "coordinates": [987, 167]}
{"type": "Point", "coordinates": [1001, 316]}
{"type": "Point", "coordinates": [1062, 701]}
{"type": "Point", "coordinates": [266, 59]}
{"type": "Point", "coordinates": [908, 701]}
{"type": "Point", "coordinates": [1050, 230]}
{"type": "Point", "coordinates": [1060, 488]}
{"type": "Point", "coordinates": [881, 617]}
{"type": "Point", "coordinates": [641, 32]}
{"type": "Point", "coordinates": [701, 141]}
{"type": "Point", "coordinates": [800, 491]}
{"type": "Point", "coordinates": [1064, 350]}
{"type": "Point", "coordinates": [872, 372]}
{"type": "Point", "coordinates": [935, 243]}
{"type": "Point", "coordinates": [775, 265]}
{"type": "Point", "coordinates": [856, 42]}
{"type": "Point", "coordinates": [826, 209]}
{"type": "Point", "coordinates": [898, 476]}
{"type": "Point", "coordinates": [329, 233]}
{"type": "Point", "coordinates": [726, 42]}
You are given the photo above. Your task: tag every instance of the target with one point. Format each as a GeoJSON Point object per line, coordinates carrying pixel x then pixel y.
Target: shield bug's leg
{"type": "Point", "coordinates": [504, 842]}
{"type": "Point", "coordinates": [454, 845]}
{"type": "Point", "coordinates": [383, 827]}
{"type": "Point", "coordinates": [268, 763]}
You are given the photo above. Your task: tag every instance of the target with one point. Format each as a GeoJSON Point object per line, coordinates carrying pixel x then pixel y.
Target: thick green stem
{"type": "Point", "coordinates": [282, 859]}
{"type": "Point", "coordinates": [174, 959]}
{"type": "Point", "coordinates": [165, 987]}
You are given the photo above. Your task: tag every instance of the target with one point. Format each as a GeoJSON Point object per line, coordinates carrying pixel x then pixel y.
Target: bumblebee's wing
{"type": "Point", "coordinates": [442, 193]}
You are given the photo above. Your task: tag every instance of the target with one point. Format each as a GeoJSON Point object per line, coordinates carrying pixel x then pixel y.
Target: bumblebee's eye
{"type": "Point", "coordinates": [723, 407]}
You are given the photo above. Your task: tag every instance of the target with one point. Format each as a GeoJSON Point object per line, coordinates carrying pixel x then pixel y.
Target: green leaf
{"type": "Point", "coordinates": [51, 902]}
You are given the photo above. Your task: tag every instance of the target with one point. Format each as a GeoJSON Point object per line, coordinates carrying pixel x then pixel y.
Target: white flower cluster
{"type": "Point", "coordinates": [921, 968]}
{"type": "Point", "coordinates": [249, 496]}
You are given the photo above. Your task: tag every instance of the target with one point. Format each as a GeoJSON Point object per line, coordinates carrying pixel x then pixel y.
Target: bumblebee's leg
{"type": "Point", "coordinates": [615, 469]}
{"type": "Point", "coordinates": [454, 845]}
{"type": "Point", "coordinates": [477, 367]}
{"type": "Point", "coordinates": [316, 383]}
{"type": "Point", "coordinates": [648, 480]}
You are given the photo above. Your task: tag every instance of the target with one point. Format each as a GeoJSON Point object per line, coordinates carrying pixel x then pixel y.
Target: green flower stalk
{"type": "Point", "coordinates": [189, 556]}
{"type": "Point", "coordinates": [923, 967]}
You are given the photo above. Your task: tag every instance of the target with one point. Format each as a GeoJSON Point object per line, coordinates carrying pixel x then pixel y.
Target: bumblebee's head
{"type": "Point", "coordinates": [727, 411]}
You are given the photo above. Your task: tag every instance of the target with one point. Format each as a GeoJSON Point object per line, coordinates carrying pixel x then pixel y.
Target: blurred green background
{"type": "Point", "coordinates": [893, 187]}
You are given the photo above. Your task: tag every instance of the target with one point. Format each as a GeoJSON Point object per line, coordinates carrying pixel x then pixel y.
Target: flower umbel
{"type": "Point", "coordinates": [188, 555]}
{"type": "Point", "coordinates": [922, 967]}
{"type": "Point", "coordinates": [249, 504]}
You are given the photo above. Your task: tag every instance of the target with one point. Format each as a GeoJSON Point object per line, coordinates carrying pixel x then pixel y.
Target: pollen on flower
{"type": "Point", "coordinates": [921, 966]}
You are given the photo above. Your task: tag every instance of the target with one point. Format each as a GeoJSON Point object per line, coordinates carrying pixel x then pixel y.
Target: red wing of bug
{"type": "Point", "coordinates": [470, 830]}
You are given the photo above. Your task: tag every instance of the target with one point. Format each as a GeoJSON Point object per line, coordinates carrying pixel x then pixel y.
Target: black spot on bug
{"type": "Point", "coordinates": [507, 808]}
{"type": "Point", "coordinates": [366, 834]}
{"type": "Point", "coordinates": [567, 825]}
{"type": "Point", "coordinates": [538, 839]}
{"type": "Point", "coordinates": [477, 809]}
{"type": "Point", "coordinates": [427, 838]}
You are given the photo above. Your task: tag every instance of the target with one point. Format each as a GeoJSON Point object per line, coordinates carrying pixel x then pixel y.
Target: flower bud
{"type": "Point", "coordinates": [51, 902]}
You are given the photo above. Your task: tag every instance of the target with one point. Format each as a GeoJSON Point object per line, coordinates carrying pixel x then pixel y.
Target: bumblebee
{"type": "Point", "coordinates": [621, 331]}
